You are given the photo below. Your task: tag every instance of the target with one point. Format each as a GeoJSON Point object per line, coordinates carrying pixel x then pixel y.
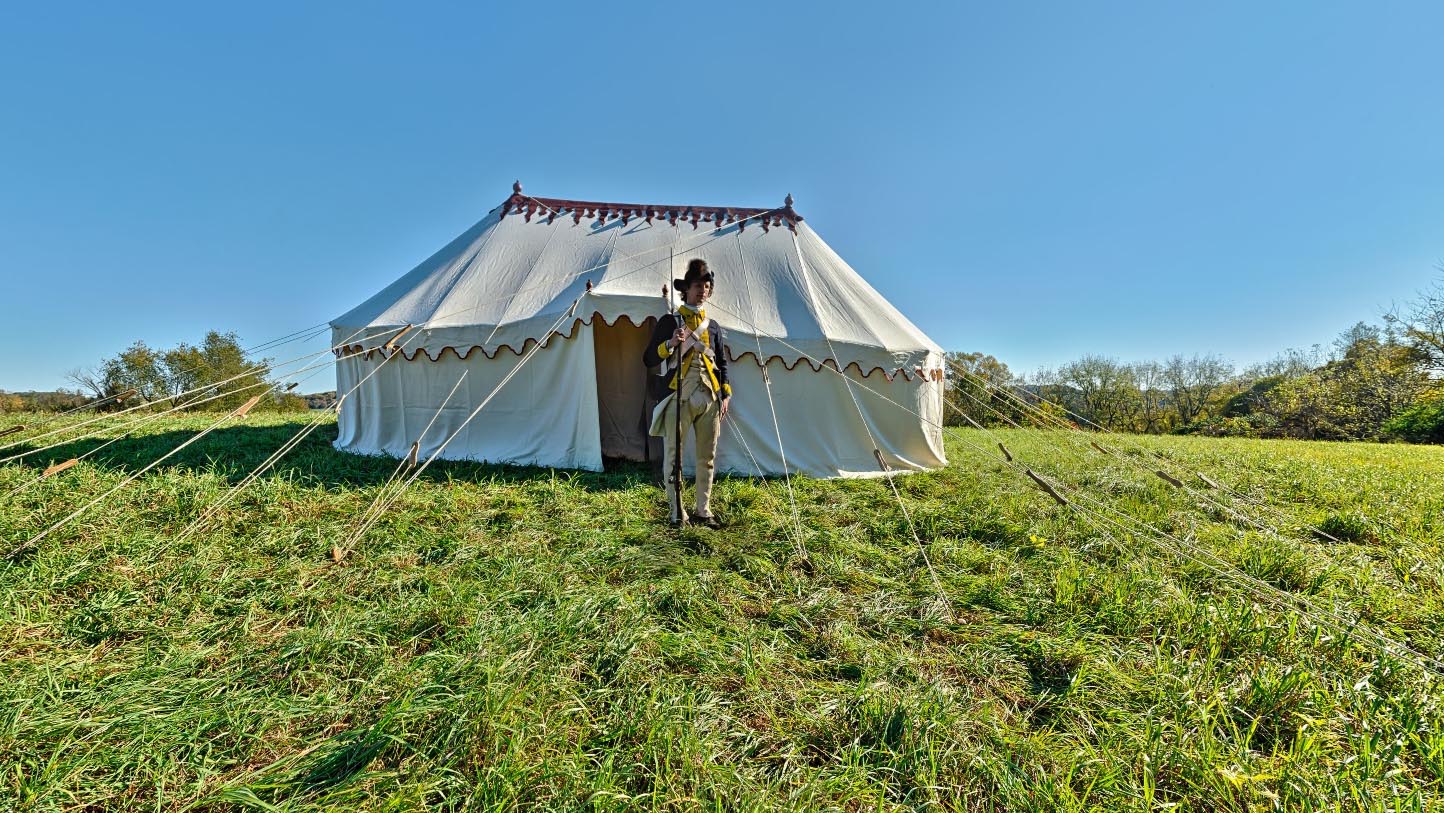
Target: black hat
{"type": "Point", "coordinates": [696, 269]}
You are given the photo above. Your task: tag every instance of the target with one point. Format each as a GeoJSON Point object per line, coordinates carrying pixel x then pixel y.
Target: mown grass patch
{"type": "Point", "coordinates": [527, 639]}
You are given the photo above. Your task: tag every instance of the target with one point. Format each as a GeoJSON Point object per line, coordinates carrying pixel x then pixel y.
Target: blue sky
{"type": "Point", "coordinates": [1032, 180]}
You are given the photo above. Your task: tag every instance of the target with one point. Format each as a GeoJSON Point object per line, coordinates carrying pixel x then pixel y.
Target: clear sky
{"type": "Point", "coordinates": [1032, 180]}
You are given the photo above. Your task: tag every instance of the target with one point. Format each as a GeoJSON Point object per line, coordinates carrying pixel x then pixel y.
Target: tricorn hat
{"type": "Point", "coordinates": [696, 269]}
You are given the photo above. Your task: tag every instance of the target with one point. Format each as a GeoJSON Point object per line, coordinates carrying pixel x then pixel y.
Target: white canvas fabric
{"type": "Point", "coordinates": [388, 412]}
{"type": "Point", "coordinates": [783, 297]}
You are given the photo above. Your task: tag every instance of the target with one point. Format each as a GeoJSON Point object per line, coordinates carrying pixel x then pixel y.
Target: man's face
{"type": "Point", "coordinates": [698, 292]}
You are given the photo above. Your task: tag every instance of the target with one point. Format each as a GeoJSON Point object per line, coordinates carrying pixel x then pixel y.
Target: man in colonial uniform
{"type": "Point", "coordinates": [689, 339]}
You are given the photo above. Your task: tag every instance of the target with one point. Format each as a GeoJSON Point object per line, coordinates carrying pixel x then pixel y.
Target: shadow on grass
{"type": "Point", "coordinates": [234, 452]}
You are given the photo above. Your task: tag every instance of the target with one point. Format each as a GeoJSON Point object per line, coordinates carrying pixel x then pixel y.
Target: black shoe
{"type": "Point", "coordinates": [709, 522]}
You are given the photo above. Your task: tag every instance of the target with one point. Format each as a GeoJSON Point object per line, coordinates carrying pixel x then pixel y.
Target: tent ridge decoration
{"type": "Point", "coordinates": [602, 211]}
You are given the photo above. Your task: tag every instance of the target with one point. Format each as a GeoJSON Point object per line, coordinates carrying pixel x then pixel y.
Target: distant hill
{"type": "Point", "coordinates": [320, 400]}
{"type": "Point", "coordinates": [35, 400]}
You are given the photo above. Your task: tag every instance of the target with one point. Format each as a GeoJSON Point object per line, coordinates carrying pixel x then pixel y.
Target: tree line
{"type": "Point", "coordinates": [214, 375]}
{"type": "Point", "coordinates": [1375, 382]}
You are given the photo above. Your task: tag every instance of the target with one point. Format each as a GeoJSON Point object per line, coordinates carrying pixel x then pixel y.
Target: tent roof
{"type": "Point", "coordinates": [781, 292]}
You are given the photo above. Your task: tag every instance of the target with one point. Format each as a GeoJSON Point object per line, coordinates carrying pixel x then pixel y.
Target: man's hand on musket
{"type": "Point", "coordinates": [722, 411]}
{"type": "Point", "coordinates": [679, 336]}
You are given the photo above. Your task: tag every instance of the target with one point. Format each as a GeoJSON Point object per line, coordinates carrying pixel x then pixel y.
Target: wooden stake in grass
{"type": "Point", "coordinates": [59, 467]}
{"type": "Point", "coordinates": [1046, 486]}
{"type": "Point", "coordinates": [1211, 484]}
{"type": "Point", "coordinates": [411, 456]}
{"type": "Point", "coordinates": [1095, 445]}
{"type": "Point", "coordinates": [12, 430]}
{"type": "Point", "coordinates": [1167, 478]}
{"type": "Point", "coordinates": [1004, 449]}
{"type": "Point", "coordinates": [882, 464]}
{"type": "Point", "coordinates": [246, 407]}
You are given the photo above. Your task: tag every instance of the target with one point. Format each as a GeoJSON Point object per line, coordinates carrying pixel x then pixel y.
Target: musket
{"type": "Point", "coordinates": [676, 396]}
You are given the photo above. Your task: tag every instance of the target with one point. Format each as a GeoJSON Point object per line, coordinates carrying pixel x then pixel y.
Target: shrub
{"type": "Point", "coordinates": [1421, 423]}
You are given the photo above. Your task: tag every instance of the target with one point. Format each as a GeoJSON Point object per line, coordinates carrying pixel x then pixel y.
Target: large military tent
{"type": "Point", "coordinates": [546, 305]}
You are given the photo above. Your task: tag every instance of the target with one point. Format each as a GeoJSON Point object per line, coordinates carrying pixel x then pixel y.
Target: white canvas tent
{"type": "Point", "coordinates": [586, 279]}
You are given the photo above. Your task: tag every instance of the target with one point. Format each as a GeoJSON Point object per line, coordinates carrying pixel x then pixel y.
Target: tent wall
{"type": "Point", "coordinates": [546, 415]}
{"type": "Point", "coordinates": [582, 397]}
{"type": "Point", "coordinates": [822, 434]}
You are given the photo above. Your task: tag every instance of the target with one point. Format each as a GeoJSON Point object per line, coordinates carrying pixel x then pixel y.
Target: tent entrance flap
{"type": "Point", "coordinates": [623, 408]}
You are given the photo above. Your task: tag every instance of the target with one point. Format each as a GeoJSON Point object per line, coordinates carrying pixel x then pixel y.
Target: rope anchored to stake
{"type": "Point", "coordinates": [12, 430]}
{"type": "Point", "coordinates": [246, 407]}
{"type": "Point", "coordinates": [1046, 486]}
{"type": "Point", "coordinates": [1168, 478]}
{"type": "Point", "coordinates": [59, 467]}
{"type": "Point", "coordinates": [391, 345]}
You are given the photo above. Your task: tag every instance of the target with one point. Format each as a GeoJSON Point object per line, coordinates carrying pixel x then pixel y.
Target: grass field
{"type": "Point", "coordinates": [527, 639]}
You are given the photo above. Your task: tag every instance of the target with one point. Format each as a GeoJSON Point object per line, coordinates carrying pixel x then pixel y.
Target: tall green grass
{"type": "Point", "coordinates": [527, 639]}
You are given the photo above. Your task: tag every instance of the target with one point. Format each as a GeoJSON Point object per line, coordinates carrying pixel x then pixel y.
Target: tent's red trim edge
{"type": "Point", "coordinates": [917, 373]}
{"type": "Point", "coordinates": [527, 206]}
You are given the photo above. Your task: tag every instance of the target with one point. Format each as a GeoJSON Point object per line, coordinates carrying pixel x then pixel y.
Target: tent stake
{"type": "Point", "coordinates": [411, 456]}
{"type": "Point", "coordinates": [246, 407]}
{"type": "Point", "coordinates": [1043, 484]}
{"type": "Point", "coordinates": [59, 467]}
{"type": "Point", "coordinates": [1167, 478]}
{"type": "Point", "coordinates": [1004, 449]}
{"type": "Point", "coordinates": [1211, 484]}
{"type": "Point", "coordinates": [12, 430]}
{"type": "Point", "coordinates": [877, 453]}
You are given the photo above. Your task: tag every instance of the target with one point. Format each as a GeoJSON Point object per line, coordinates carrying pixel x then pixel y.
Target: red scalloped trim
{"type": "Point", "coordinates": [907, 375]}
{"type": "Point", "coordinates": [551, 208]}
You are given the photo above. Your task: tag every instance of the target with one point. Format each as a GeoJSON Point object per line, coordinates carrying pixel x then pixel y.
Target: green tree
{"type": "Point", "coordinates": [1193, 382]}
{"type": "Point", "coordinates": [1100, 389]}
{"type": "Point", "coordinates": [1154, 398]}
{"type": "Point", "coordinates": [215, 372]}
{"type": "Point", "coordinates": [1373, 376]}
{"type": "Point", "coordinates": [138, 368]}
{"type": "Point", "coordinates": [979, 387]}
{"type": "Point", "coordinates": [1422, 326]}
{"type": "Point", "coordinates": [219, 358]}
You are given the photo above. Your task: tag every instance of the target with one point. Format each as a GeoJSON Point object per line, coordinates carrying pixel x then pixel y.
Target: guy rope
{"type": "Point", "coordinates": [1095, 510]}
